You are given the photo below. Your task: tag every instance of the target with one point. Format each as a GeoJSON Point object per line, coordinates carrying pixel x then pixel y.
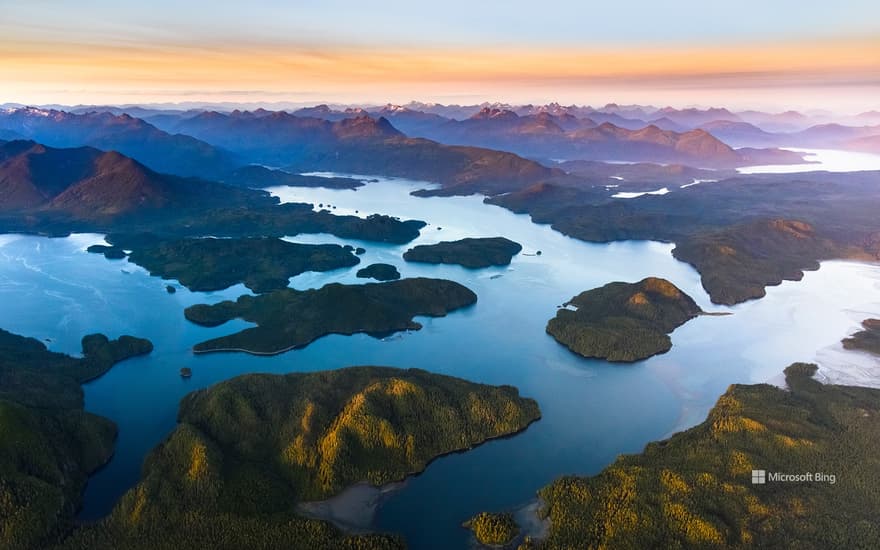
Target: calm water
{"type": "Point", "coordinates": [592, 410]}
{"type": "Point", "coordinates": [832, 160]}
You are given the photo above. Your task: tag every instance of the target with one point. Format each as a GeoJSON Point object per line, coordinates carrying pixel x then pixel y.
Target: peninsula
{"type": "Point", "coordinates": [247, 450]}
{"type": "Point", "coordinates": [867, 339]}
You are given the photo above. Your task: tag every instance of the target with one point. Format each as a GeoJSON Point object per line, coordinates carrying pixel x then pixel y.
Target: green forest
{"type": "Point", "coordinates": [247, 450]}
{"type": "Point", "coordinates": [695, 489]}
{"type": "Point", "coordinates": [263, 264]}
{"type": "Point", "coordinates": [291, 318]}
{"type": "Point", "coordinates": [493, 529]}
{"type": "Point", "coordinates": [379, 272]}
{"type": "Point", "coordinates": [50, 444]}
{"type": "Point", "coordinates": [472, 253]}
{"type": "Point", "coordinates": [623, 322]}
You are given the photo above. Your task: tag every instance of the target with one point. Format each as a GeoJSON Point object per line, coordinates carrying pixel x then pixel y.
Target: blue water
{"type": "Point", "coordinates": [592, 411]}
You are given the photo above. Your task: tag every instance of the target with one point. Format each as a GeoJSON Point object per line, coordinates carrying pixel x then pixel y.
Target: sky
{"type": "Point", "coordinates": [770, 54]}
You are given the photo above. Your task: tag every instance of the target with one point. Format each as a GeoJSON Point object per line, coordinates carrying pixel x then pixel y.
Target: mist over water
{"type": "Point", "coordinates": [592, 410]}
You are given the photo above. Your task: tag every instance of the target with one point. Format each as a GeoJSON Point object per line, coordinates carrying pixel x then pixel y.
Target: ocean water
{"type": "Point", "coordinates": [592, 410]}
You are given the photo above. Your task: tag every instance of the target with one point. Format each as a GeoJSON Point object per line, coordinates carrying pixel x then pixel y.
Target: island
{"type": "Point", "coordinates": [471, 252]}
{"type": "Point", "coordinates": [379, 272]}
{"type": "Point", "coordinates": [108, 251]}
{"type": "Point", "coordinates": [50, 444]}
{"type": "Point", "coordinates": [247, 450]}
{"type": "Point", "coordinates": [206, 264]}
{"type": "Point", "coordinates": [623, 322]}
{"type": "Point", "coordinates": [496, 530]}
{"type": "Point", "coordinates": [289, 318]}
{"type": "Point", "coordinates": [867, 339]}
{"type": "Point", "coordinates": [717, 484]}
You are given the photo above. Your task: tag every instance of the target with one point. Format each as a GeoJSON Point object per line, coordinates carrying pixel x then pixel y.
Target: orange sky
{"type": "Point", "coordinates": [839, 74]}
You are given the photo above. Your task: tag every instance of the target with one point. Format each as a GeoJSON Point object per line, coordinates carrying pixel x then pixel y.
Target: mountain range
{"type": "Point", "coordinates": [174, 154]}
{"type": "Point", "coordinates": [360, 145]}
{"type": "Point", "coordinates": [489, 150]}
{"type": "Point", "coordinates": [84, 183]}
{"type": "Point", "coordinates": [565, 136]}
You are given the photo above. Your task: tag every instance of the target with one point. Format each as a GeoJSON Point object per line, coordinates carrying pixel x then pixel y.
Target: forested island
{"type": "Point", "coordinates": [623, 321]}
{"type": "Point", "coordinates": [50, 444]}
{"type": "Point", "coordinates": [379, 272]}
{"type": "Point", "coordinates": [495, 530]}
{"type": "Point", "coordinates": [471, 252]}
{"type": "Point", "coordinates": [290, 318]}
{"type": "Point", "coordinates": [206, 264]}
{"type": "Point", "coordinates": [247, 450]}
{"type": "Point", "coordinates": [867, 339]}
{"type": "Point", "coordinates": [695, 489]}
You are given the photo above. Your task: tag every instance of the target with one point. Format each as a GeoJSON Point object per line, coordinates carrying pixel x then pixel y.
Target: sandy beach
{"type": "Point", "coordinates": [352, 510]}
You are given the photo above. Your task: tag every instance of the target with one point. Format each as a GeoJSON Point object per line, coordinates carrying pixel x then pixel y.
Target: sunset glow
{"type": "Point", "coordinates": [49, 60]}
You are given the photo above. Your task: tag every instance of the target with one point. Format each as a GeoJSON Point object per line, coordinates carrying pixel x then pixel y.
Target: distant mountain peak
{"type": "Point", "coordinates": [494, 113]}
{"type": "Point", "coordinates": [364, 126]}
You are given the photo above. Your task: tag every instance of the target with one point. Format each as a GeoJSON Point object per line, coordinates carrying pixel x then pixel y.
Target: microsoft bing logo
{"type": "Point", "coordinates": [759, 477]}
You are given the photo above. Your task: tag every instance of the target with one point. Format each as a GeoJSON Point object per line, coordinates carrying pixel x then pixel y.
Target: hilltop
{"type": "Point", "coordinates": [86, 184]}
{"type": "Point", "coordinates": [247, 450]}
{"type": "Point", "coordinates": [59, 191]}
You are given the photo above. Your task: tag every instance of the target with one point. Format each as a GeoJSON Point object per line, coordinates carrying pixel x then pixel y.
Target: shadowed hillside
{"type": "Point", "coordinates": [59, 191]}
{"type": "Point", "coordinates": [173, 154]}
{"type": "Point", "coordinates": [50, 444]}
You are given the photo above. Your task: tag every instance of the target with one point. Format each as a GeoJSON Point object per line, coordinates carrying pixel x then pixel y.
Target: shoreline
{"type": "Point", "coordinates": [242, 350]}
{"type": "Point", "coordinates": [529, 522]}
{"type": "Point", "coordinates": [353, 510]}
